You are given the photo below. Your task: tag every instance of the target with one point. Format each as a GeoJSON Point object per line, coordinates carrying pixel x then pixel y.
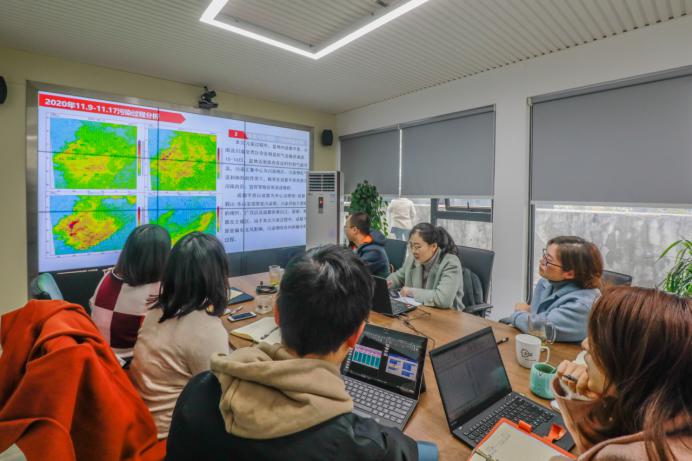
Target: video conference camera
{"type": "Point", "coordinates": [205, 101]}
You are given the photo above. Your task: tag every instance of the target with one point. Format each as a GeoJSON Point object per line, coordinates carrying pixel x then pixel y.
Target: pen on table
{"type": "Point", "coordinates": [236, 310]}
{"type": "Point", "coordinates": [503, 340]}
{"type": "Point", "coordinates": [483, 455]}
{"type": "Point", "coordinates": [569, 378]}
{"type": "Point", "coordinates": [267, 334]}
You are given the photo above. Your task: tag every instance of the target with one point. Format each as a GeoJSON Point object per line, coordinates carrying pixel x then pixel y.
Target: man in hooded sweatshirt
{"type": "Point", "coordinates": [287, 401]}
{"type": "Point", "coordinates": [368, 244]}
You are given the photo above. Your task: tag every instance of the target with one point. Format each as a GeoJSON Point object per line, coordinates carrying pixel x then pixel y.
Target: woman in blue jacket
{"type": "Point", "coordinates": [571, 270]}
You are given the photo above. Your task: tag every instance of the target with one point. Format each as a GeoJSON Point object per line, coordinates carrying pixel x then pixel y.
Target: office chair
{"type": "Point", "coordinates": [43, 286]}
{"type": "Point", "coordinates": [479, 264]}
{"type": "Point", "coordinates": [396, 252]}
{"type": "Point", "coordinates": [614, 279]}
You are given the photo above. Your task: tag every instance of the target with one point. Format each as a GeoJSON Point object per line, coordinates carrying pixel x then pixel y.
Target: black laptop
{"type": "Point", "coordinates": [476, 393]}
{"type": "Point", "coordinates": [384, 302]}
{"type": "Point", "coordinates": [383, 374]}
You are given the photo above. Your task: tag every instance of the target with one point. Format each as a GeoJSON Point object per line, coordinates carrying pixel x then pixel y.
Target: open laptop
{"type": "Point", "coordinates": [383, 302]}
{"type": "Point", "coordinates": [383, 374]}
{"type": "Point", "coordinates": [476, 393]}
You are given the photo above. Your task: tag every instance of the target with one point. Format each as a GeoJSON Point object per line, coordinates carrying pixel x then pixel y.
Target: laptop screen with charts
{"type": "Point", "coordinates": [476, 392]}
{"type": "Point", "coordinates": [383, 374]}
{"type": "Point", "coordinates": [382, 301]}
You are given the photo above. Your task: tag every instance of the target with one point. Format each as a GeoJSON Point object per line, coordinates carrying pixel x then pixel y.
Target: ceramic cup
{"type": "Point", "coordinates": [542, 375]}
{"type": "Point", "coordinates": [528, 349]}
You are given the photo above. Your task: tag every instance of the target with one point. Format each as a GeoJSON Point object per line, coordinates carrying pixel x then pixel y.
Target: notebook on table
{"type": "Point", "coordinates": [510, 442]}
{"type": "Point", "coordinates": [236, 296]}
{"type": "Point", "coordinates": [263, 330]}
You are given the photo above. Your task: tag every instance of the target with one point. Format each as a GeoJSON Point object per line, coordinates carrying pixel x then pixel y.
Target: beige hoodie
{"type": "Point", "coordinates": [267, 393]}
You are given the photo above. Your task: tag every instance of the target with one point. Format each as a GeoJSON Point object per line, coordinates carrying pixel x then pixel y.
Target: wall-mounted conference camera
{"type": "Point", "coordinates": [205, 101]}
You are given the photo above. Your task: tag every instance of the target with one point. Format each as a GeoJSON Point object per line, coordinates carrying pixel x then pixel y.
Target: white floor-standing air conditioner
{"type": "Point", "coordinates": [324, 208]}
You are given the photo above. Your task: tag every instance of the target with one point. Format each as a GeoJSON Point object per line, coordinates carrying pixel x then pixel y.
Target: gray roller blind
{"type": "Point", "coordinates": [371, 157]}
{"type": "Point", "coordinates": [625, 145]}
{"type": "Point", "coordinates": [450, 158]}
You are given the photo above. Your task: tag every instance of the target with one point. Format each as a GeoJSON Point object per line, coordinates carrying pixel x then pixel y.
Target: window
{"type": "Point", "coordinates": [630, 238]}
{"type": "Point", "coordinates": [469, 222]}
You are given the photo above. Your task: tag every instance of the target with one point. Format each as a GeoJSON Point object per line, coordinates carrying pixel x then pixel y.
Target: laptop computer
{"type": "Point", "coordinates": [383, 303]}
{"type": "Point", "coordinates": [476, 392]}
{"type": "Point", "coordinates": [384, 373]}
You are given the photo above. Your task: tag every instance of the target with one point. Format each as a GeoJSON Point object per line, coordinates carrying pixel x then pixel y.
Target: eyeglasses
{"type": "Point", "coordinates": [415, 246]}
{"type": "Point", "coordinates": [546, 259]}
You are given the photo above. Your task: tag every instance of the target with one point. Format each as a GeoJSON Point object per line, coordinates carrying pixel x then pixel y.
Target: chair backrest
{"type": "Point", "coordinates": [396, 252]}
{"type": "Point", "coordinates": [614, 279]}
{"type": "Point", "coordinates": [480, 262]}
{"type": "Point", "coordinates": [43, 286]}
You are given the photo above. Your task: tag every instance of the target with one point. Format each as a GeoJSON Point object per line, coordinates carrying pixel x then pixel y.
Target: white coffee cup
{"type": "Point", "coordinates": [529, 350]}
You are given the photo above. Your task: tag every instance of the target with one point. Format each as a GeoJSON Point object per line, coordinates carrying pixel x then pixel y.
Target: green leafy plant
{"type": "Point", "coordinates": [366, 198]}
{"type": "Point", "coordinates": [679, 278]}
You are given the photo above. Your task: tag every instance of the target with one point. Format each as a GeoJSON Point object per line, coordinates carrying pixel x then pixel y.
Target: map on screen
{"type": "Point", "coordinates": [106, 167]}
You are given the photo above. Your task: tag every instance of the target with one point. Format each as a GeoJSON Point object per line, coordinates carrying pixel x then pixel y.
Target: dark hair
{"type": "Point", "coordinates": [582, 257]}
{"type": "Point", "coordinates": [325, 295]}
{"type": "Point", "coordinates": [431, 234]}
{"type": "Point", "coordinates": [144, 255]}
{"type": "Point", "coordinates": [361, 221]}
{"type": "Point", "coordinates": [640, 338]}
{"type": "Point", "coordinates": [195, 276]}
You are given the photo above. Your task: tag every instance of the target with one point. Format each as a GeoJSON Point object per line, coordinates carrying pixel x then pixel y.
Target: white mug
{"type": "Point", "coordinates": [529, 350]}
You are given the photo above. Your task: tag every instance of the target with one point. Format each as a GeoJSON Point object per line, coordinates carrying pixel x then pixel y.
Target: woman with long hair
{"type": "Point", "coordinates": [182, 329]}
{"type": "Point", "coordinates": [636, 379]}
{"type": "Point", "coordinates": [431, 273]}
{"type": "Point", "coordinates": [122, 297]}
{"type": "Point", "coordinates": [570, 270]}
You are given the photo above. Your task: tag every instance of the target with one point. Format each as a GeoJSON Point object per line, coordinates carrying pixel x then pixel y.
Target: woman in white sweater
{"type": "Point", "coordinates": [182, 329]}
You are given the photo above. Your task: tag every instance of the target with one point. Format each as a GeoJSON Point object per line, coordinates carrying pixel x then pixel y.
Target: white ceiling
{"type": "Point", "coordinates": [440, 41]}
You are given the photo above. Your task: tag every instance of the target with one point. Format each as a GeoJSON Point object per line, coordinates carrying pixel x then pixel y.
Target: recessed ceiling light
{"type": "Point", "coordinates": [379, 19]}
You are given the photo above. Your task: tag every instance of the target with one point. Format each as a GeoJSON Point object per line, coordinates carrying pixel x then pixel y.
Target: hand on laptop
{"type": "Point", "coordinates": [406, 291]}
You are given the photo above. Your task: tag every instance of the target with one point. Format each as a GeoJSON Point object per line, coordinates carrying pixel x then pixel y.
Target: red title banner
{"type": "Point", "coordinates": [238, 134]}
{"type": "Point", "coordinates": [107, 108]}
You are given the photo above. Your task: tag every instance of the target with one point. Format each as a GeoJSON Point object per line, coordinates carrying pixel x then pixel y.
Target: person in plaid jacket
{"type": "Point", "coordinates": [123, 295]}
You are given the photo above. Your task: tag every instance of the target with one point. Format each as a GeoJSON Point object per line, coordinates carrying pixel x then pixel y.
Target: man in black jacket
{"type": "Point", "coordinates": [287, 401]}
{"type": "Point", "coordinates": [368, 244]}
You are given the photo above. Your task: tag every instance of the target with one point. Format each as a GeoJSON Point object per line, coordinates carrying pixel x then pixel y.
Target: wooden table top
{"type": "Point", "coordinates": [442, 325]}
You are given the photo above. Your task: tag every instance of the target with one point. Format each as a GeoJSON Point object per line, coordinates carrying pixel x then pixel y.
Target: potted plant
{"type": "Point", "coordinates": [366, 198]}
{"type": "Point", "coordinates": [679, 278]}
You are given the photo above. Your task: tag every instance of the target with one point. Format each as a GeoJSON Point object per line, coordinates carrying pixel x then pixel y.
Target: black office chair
{"type": "Point", "coordinates": [615, 279]}
{"type": "Point", "coordinates": [396, 252]}
{"type": "Point", "coordinates": [479, 264]}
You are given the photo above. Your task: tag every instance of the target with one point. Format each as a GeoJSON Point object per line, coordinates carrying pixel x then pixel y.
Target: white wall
{"type": "Point", "coordinates": [661, 47]}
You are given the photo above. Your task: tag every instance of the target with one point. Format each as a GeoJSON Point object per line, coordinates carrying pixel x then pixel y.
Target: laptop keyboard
{"type": "Point", "coordinates": [399, 306]}
{"type": "Point", "coordinates": [514, 409]}
{"type": "Point", "coordinates": [378, 402]}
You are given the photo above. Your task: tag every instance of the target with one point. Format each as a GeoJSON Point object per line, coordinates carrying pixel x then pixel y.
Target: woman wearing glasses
{"type": "Point", "coordinates": [570, 270]}
{"type": "Point", "coordinates": [431, 273]}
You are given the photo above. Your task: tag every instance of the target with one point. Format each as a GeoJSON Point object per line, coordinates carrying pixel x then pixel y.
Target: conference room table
{"type": "Point", "coordinates": [441, 326]}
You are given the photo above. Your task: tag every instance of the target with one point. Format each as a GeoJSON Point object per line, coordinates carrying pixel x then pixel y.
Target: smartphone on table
{"type": "Point", "coordinates": [241, 316]}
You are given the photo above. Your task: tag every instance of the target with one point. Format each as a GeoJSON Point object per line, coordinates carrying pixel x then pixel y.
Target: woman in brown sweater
{"type": "Point", "coordinates": [633, 399]}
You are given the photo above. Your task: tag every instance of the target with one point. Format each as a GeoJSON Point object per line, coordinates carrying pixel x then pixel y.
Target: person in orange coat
{"type": "Point", "coordinates": [63, 395]}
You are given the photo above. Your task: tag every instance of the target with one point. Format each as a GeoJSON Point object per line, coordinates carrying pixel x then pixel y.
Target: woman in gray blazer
{"type": "Point", "coordinates": [431, 273]}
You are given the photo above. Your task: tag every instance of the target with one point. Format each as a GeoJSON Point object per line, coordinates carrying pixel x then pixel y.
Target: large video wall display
{"type": "Point", "coordinates": [106, 167]}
